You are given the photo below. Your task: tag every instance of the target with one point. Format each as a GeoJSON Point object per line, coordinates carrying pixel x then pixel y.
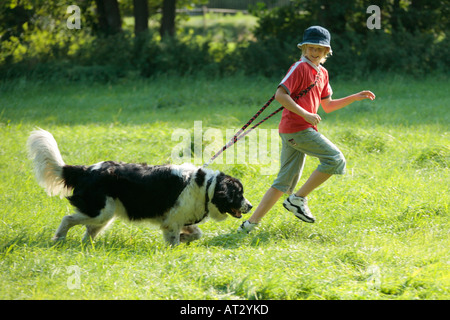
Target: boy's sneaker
{"type": "Point", "coordinates": [247, 226]}
{"type": "Point", "coordinates": [299, 206]}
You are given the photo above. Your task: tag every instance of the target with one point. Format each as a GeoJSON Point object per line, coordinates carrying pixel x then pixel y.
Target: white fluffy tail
{"type": "Point", "coordinates": [48, 163]}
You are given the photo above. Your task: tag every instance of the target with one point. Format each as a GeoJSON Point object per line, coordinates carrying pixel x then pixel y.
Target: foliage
{"type": "Point", "coordinates": [36, 42]}
{"type": "Point", "coordinates": [412, 38]}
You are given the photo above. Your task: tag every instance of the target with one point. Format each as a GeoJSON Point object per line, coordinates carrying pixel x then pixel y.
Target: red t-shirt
{"type": "Point", "coordinates": [299, 77]}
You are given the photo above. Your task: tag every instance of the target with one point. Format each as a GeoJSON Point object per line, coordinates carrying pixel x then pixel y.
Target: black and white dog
{"type": "Point", "coordinates": [177, 197]}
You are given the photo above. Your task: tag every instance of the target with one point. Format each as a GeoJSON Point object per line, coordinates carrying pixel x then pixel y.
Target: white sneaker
{"type": "Point", "coordinates": [299, 206]}
{"type": "Point", "coordinates": [247, 226]}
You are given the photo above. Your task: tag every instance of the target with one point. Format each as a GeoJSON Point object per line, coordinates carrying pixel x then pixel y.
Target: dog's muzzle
{"type": "Point", "coordinates": [245, 208]}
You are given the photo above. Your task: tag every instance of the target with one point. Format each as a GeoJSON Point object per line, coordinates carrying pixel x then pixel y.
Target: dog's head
{"type": "Point", "coordinates": [229, 196]}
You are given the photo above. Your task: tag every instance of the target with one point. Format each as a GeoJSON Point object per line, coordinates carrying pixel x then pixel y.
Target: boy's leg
{"type": "Point", "coordinates": [292, 162]}
{"type": "Point", "coordinates": [315, 180]}
{"type": "Point", "coordinates": [331, 162]}
{"type": "Point", "coordinates": [273, 195]}
{"type": "Point", "coordinates": [297, 203]}
{"type": "Point", "coordinates": [292, 159]}
{"type": "Point", "coordinates": [267, 202]}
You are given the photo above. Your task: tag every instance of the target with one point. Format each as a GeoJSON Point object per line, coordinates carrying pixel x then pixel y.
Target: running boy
{"type": "Point", "coordinates": [304, 87]}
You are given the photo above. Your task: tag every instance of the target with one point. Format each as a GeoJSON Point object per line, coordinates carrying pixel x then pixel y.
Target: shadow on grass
{"type": "Point", "coordinates": [235, 239]}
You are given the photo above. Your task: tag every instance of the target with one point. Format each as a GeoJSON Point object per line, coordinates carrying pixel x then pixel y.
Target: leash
{"type": "Point", "coordinates": [242, 133]}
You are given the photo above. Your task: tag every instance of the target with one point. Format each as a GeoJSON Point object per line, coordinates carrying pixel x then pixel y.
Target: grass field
{"type": "Point", "coordinates": [382, 230]}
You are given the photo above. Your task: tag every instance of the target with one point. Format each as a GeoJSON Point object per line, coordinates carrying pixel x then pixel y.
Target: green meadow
{"type": "Point", "coordinates": [382, 230]}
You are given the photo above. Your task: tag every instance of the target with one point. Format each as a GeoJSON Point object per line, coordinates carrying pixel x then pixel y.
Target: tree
{"type": "Point", "coordinates": [140, 11]}
{"type": "Point", "coordinates": [109, 19]}
{"type": "Point", "coordinates": [168, 18]}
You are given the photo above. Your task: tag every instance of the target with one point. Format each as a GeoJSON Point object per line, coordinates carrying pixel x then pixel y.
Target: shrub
{"type": "Point", "coordinates": [357, 51]}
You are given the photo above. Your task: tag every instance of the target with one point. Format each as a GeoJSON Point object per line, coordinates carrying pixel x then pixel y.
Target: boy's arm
{"type": "Point", "coordinates": [330, 105]}
{"type": "Point", "coordinates": [286, 101]}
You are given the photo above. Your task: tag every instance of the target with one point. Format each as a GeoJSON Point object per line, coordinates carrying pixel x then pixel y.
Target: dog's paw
{"type": "Point", "coordinates": [188, 237]}
{"type": "Point", "coordinates": [185, 237]}
{"type": "Point", "coordinates": [58, 238]}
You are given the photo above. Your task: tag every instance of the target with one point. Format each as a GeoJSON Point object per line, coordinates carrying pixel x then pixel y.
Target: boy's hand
{"type": "Point", "coordinates": [366, 94]}
{"type": "Point", "coordinates": [312, 118]}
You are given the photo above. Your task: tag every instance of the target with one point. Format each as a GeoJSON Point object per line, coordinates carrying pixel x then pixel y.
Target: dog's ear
{"type": "Point", "coordinates": [221, 186]}
{"type": "Point", "coordinates": [221, 192]}
{"type": "Point", "coordinates": [230, 195]}
{"type": "Point", "coordinates": [227, 188]}
{"type": "Point", "coordinates": [226, 194]}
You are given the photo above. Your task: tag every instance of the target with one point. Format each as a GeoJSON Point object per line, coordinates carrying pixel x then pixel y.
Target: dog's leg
{"type": "Point", "coordinates": [100, 222]}
{"type": "Point", "coordinates": [92, 231]}
{"type": "Point", "coordinates": [171, 235]}
{"type": "Point", "coordinates": [190, 233]}
{"type": "Point", "coordinates": [68, 222]}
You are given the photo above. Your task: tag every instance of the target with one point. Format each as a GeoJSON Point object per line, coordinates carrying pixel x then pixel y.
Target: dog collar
{"type": "Point", "coordinates": [208, 184]}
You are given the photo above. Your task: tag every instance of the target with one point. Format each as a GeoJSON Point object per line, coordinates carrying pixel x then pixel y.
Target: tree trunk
{"type": "Point", "coordinates": [109, 16]}
{"type": "Point", "coordinates": [140, 10]}
{"type": "Point", "coordinates": [168, 19]}
{"type": "Point", "coordinates": [395, 17]}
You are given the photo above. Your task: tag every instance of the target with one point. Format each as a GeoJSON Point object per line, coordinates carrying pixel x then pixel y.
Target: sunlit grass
{"type": "Point", "coordinates": [381, 230]}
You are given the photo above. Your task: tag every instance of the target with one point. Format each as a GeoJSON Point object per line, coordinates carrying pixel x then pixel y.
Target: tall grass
{"type": "Point", "coordinates": [381, 230]}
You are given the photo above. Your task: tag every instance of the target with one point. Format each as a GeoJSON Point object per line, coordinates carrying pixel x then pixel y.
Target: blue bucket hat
{"type": "Point", "coordinates": [316, 35]}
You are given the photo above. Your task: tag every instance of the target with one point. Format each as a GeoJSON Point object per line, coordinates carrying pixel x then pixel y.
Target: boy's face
{"type": "Point", "coordinates": [315, 53]}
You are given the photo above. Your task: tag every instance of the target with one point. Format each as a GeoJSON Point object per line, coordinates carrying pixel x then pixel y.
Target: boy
{"type": "Point", "coordinates": [304, 87]}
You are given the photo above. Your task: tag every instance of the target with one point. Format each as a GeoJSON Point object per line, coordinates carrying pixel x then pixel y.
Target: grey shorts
{"type": "Point", "coordinates": [295, 147]}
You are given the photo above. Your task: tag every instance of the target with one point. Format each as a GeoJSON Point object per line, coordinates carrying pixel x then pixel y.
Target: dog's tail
{"type": "Point", "coordinates": [48, 163]}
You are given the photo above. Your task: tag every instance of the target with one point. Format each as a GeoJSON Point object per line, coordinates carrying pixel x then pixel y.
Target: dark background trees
{"type": "Point", "coordinates": [34, 36]}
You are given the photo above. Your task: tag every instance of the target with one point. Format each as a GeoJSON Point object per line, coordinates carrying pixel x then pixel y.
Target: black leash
{"type": "Point", "coordinates": [242, 133]}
